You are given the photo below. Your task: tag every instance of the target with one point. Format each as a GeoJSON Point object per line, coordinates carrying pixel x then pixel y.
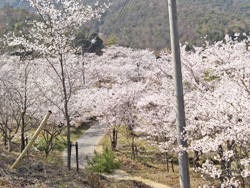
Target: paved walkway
{"type": "Point", "coordinates": [86, 145]}
{"type": "Point", "coordinates": [121, 175]}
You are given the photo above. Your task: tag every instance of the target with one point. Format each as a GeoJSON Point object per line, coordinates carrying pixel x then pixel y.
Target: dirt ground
{"type": "Point", "coordinates": [54, 174]}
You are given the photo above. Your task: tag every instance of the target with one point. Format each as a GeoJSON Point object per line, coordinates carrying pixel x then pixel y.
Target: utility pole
{"type": "Point", "coordinates": [179, 101]}
{"type": "Point", "coordinates": [93, 41]}
{"type": "Point", "coordinates": [138, 71]}
{"type": "Point", "coordinates": [83, 73]}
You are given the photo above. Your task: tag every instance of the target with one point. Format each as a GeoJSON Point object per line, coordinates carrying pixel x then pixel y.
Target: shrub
{"type": "Point", "coordinates": [104, 162]}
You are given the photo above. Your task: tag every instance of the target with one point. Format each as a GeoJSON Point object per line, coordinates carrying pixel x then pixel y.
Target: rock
{"type": "Point", "coordinates": [37, 166]}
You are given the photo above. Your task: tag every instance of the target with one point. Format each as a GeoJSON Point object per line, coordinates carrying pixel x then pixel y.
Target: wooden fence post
{"type": "Point", "coordinates": [77, 163]}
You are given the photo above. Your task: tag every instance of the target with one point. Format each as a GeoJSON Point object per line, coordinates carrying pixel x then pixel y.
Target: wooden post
{"type": "Point", "coordinates": [69, 156]}
{"type": "Point", "coordinates": [32, 140]}
{"type": "Point", "coordinates": [77, 162]}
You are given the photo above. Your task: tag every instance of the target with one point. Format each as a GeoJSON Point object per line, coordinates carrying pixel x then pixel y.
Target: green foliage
{"type": "Point", "coordinates": [189, 47]}
{"type": "Point", "coordinates": [104, 162]}
{"type": "Point", "coordinates": [58, 144]}
{"type": "Point", "coordinates": [40, 144]}
{"type": "Point", "coordinates": [112, 40]}
{"type": "Point", "coordinates": [209, 78]}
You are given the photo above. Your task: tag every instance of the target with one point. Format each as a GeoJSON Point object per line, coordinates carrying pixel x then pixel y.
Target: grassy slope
{"type": "Point", "coordinates": [151, 163]}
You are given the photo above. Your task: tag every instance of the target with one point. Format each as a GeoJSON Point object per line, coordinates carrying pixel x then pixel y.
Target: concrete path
{"type": "Point", "coordinates": [86, 145]}
{"type": "Point", "coordinates": [121, 175]}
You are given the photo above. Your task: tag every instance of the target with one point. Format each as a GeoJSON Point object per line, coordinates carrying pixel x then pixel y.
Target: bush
{"type": "Point", "coordinates": [112, 40]}
{"type": "Point", "coordinates": [104, 162]}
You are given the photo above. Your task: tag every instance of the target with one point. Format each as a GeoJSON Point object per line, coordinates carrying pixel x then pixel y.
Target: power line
{"type": "Point", "coordinates": [127, 5]}
{"type": "Point", "coordinates": [110, 13]}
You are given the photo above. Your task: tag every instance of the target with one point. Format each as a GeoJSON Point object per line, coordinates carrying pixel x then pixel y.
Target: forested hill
{"type": "Point", "coordinates": [144, 23]}
{"type": "Point", "coordinates": [14, 3]}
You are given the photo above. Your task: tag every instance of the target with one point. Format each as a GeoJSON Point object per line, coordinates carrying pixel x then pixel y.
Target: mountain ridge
{"type": "Point", "coordinates": [145, 24]}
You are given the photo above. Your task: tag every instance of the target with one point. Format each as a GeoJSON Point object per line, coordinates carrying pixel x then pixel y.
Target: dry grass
{"type": "Point", "coordinates": [151, 164]}
{"type": "Point", "coordinates": [53, 175]}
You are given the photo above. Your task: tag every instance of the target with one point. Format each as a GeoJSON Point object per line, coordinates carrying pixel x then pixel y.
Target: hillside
{"type": "Point", "coordinates": [13, 20]}
{"type": "Point", "coordinates": [14, 3]}
{"type": "Point", "coordinates": [144, 24]}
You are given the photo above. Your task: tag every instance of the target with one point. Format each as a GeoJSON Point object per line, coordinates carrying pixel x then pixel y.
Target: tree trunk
{"type": "Point", "coordinates": [9, 141]}
{"type": "Point", "coordinates": [133, 147]}
{"type": "Point", "coordinates": [196, 158]}
{"type": "Point", "coordinates": [166, 155]}
{"type": "Point", "coordinates": [248, 181]}
{"type": "Point", "coordinates": [22, 133]}
{"type": "Point", "coordinates": [46, 153]}
{"type": "Point", "coordinates": [136, 151]}
{"type": "Point", "coordinates": [172, 164]}
{"type": "Point", "coordinates": [9, 145]}
{"type": "Point", "coordinates": [222, 164]}
{"type": "Point", "coordinates": [5, 143]}
{"type": "Point", "coordinates": [24, 112]}
{"type": "Point", "coordinates": [66, 113]}
{"type": "Point", "coordinates": [114, 140]}
{"type": "Point", "coordinates": [229, 163]}
{"type": "Point", "coordinates": [5, 139]}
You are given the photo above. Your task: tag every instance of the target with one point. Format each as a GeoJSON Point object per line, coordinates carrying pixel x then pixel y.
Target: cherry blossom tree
{"type": "Point", "coordinates": [118, 109]}
{"type": "Point", "coordinates": [19, 95]}
{"type": "Point", "coordinates": [52, 38]}
{"type": "Point", "coordinates": [216, 83]}
{"type": "Point", "coordinates": [9, 121]}
{"type": "Point", "coordinates": [50, 132]}
{"type": "Point", "coordinates": [216, 87]}
{"type": "Point", "coordinates": [114, 89]}
{"type": "Point", "coordinates": [223, 120]}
